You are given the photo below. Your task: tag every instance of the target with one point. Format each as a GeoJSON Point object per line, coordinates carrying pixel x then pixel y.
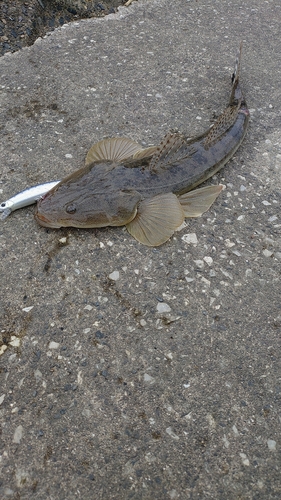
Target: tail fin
{"type": "Point", "coordinates": [236, 72]}
{"type": "Point", "coordinates": [236, 94]}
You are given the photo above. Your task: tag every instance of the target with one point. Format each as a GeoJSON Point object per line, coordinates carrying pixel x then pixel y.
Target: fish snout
{"type": "Point", "coordinates": [44, 221]}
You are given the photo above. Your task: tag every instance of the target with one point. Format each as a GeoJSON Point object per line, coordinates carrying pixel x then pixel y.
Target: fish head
{"type": "Point", "coordinates": [86, 199]}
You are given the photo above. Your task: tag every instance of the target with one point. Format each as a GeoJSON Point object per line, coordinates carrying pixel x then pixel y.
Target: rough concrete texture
{"type": "Point", "coordinates": [129, 372]}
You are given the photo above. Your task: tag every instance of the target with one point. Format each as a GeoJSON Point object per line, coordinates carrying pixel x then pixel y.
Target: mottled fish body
{"type": "Point", "coordinates": [150, 190]}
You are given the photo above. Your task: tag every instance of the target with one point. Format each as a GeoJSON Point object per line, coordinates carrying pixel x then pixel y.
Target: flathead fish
{"type": "Point", "coordinates": [149, 191]}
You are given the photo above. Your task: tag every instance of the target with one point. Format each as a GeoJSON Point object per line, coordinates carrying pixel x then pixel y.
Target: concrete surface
{"type": "Point", "coordinates": [103, 396]}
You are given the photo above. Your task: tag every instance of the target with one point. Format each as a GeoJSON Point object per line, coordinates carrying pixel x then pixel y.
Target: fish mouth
{"type": "Point", "coordinates": [43, 221]}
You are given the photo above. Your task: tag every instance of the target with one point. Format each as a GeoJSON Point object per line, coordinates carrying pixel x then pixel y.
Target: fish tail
{"type": "Point", "coordinates": [236, 92]}
{"type": "Point", "coordinates": [236, 72]}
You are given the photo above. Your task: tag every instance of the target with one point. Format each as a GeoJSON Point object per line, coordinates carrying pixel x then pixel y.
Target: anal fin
{"type": "Point", "coordinates": [196, 202]}
{"type": "Point", "coordinates": [156, 220]}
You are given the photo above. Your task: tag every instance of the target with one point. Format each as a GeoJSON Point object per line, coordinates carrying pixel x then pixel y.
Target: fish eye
{"type": "Point", "coordinates": [71, 209]}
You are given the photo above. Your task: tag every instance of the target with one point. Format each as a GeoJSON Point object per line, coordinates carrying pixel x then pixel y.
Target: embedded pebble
{"type": "Point", "coordinates": [3, 349]}
{"type": "Point", "coordinates": [245, 460]}
{"type": "Point", "coordinates": [172, 433]}
{"type": "Point", "coordinates": [173, 494]}
{"type": "Point", "coordinates": [15, 341]}
{"type": "Point", "coordinates": [226, 443]}
{"type": "Point", "coordinates": [208, 260]}
{"type": "Point", "coordinates": [190, 238]}
{"type": "Point", "coordinates": [2, 398]}
{"type": "Point", "coordinates": [271, 444]}
{"type": "Point", "coordinates": [189, 280]}
{"type": "Point", "coordinates": [68, 155]}
{"type": "Point", "coordinates": [114, 276]}
{"type": "Point", "coordinates": [163, 307]}
{"type": "Point", "coordinates": [229, 243]}
{"type": "Point", "coordinates": [266, 203]}
{"type": "Point", "coordinates": [148, 378]}
{"type": "Point", "coordinates": [27, 309]}
{"type": "Point", "coordinates": [199, 263]}
{"type": "Point", "coordinates": [235, 430]}
{"type": "Point", "coordinates": [53, 345]}
{"type": "Point", "coordinates": [267, 253]}
{"type": "Point", "coordinates": [18, 434]}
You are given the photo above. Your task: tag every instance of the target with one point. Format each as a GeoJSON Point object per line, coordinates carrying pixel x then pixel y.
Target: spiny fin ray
{"type": "Point", "coordinates": [171, 149]}
{"type": "Point", "coordinates": [221, 126]}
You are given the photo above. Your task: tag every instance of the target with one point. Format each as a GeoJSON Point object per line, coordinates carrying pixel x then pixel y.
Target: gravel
{"type": "Point", "coordinates": [21, 23]}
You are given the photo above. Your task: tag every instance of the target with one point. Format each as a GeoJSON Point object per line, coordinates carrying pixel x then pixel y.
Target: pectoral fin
{"type": "Point", "coordinates": [196, 202]}
{"type": "Point", "coordinates": [114, 149]}
{"type": "Point", "coordinates": [156, 220]}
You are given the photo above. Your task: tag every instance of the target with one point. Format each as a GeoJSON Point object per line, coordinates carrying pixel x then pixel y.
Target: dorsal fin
{"type": "Point", "coordinates": [223, 123]}
{"type": "Point", "coordinates": [114, 149]}
{"type": "Point", "coordinates": [173, 148]}
{"type": "Point", "coordinates": [145, 153]}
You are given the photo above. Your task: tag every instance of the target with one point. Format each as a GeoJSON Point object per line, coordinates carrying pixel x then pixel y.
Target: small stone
{"type": "Point", "coordinates": [27, 309]}
{"type": "Point", "coordinates": [190, 238]}
{"type": "Point", "coordinates": [271, 444]}
{"type": "Point", "coordinates": [53, 345]}
{"type": "Point", "coordinates": [3, 349]}
{"type": "Point", "coordinates": [173, 494]}
{"type": "Point", "coordinates": [266, 203]}
{"type": "Point", "coordinates": [225, 441]}
{"type": "Point", "coordinates": [68, 155]}
{"type": "Point", "coordinates": [2, 398]}
{"type": "Point", "coordinates": [172, 433]}
{"type": "Point", "coordinates": [18, 434]}
{"type": "Point", "coordinates": [267, 253]}
{"type": "Point", "coordinates": [245, 460]}
{"type": "Point", "coordinates": [15, 341]}
{"type": "Point", "coordinates": [88, 307]}
{"type": "Point", "coordinates": [114, 276]}
{"type": "Point", "coordinates": [163, 307]}
{"type": "Point", "coordinates": [235, 430]}
{"type": "Point", "coordinates": [207, 282]}
{"type": "Point", "coordinates": [199, 264]}
{"type": "Point", "coordinates": [208, 260]}
{"type": "Point", "coordinates": [147, 378]}
{"type": "Point", "coordinates": [229, 243]}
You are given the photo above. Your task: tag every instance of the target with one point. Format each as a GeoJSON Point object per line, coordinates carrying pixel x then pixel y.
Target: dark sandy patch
{"type": "Point", "coordinates": [21, 23]}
